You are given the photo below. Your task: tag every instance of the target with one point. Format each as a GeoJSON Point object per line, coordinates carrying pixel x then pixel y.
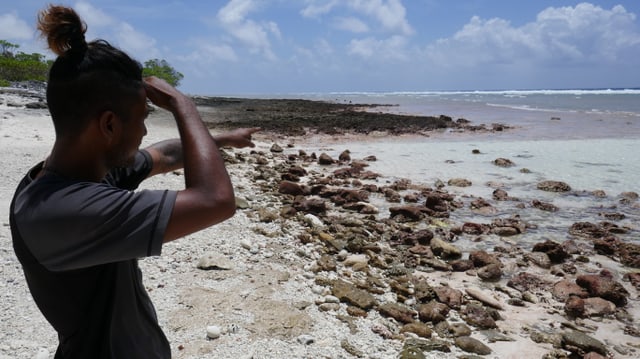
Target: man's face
{"type": "Point", "coordinates": [134, 129]}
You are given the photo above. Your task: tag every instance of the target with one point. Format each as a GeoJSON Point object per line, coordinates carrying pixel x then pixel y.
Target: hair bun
{"type": "Point", "coordinates": [63, 29]}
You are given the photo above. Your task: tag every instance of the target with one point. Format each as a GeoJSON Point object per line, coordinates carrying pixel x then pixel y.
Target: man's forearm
{"type": "Point", "coordinates": [168, 156]}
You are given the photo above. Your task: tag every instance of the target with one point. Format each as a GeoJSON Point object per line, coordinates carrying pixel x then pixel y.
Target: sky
{"type": "Point", "coordinates": [321, 46]}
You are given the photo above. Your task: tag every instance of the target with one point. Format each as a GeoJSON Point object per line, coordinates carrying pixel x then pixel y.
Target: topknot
{"type": "Point", "coordinates": [63, 29]}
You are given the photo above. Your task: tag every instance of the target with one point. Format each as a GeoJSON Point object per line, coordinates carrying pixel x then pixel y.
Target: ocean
{"type": "Point", "coordinates": [589, 139]}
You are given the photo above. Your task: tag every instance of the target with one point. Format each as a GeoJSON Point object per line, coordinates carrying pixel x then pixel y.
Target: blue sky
{"type": "Point", "coordinates": [292, 46]}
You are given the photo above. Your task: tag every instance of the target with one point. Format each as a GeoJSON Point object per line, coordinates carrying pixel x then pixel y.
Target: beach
{"type": "Point", "coordinates": [365, 236]}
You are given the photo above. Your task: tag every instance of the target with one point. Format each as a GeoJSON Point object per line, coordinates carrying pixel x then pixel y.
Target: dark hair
{"type": "Point", "coordinates": [86, 78]}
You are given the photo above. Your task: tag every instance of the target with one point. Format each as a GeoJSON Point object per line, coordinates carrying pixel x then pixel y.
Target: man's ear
{"type": "Point", "coordinates": [110, 126]}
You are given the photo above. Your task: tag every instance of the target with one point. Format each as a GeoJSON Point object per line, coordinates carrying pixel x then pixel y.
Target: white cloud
{"type": "Point", "coordinates": [391, 14]}
{"type": "Point", "coordinates": [207, 53]}
{"type": "Point", "coordinates": [563, 36]}
{"type": "Point", "coordinates": [119, 33]}
{"type": "Point", "coordinates": [351, 24]}
{"type": "Point", "coordinates": [131, 40]}
{"type": "Point", "coordinates": [371, 48]}
{"type": "Point", "coordinates": [233, 18]}
{"type": "Point", "coordinates": [93, 16]}
{"type": "Point", "coordinates": [314, 9]}
{"type": "Point", "coordinates": [12, 27]}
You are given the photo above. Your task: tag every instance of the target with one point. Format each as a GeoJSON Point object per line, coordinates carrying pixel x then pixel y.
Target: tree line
{"type": "Point", "coordinates": [19, 66]}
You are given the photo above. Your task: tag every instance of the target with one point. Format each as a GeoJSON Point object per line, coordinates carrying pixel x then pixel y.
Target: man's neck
{"type": "Point", "coordinates": [73, 160]}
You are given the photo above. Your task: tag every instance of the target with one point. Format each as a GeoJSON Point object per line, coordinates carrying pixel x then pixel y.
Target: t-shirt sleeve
{"type": "Point", "coordinates": [86, 224]}
{"type": "Point", "coordinates": [131, 177]}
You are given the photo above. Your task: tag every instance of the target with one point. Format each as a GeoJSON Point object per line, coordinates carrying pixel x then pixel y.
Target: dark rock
{"type": "Point", "coordinates": [297, 170]}
{"type": "Point", "coordinates": [629, 254]}
{"type": "Point", "coordinates": [459, 182]}
{"type": "Point", "coordinates": [505, 231]}
{"type": "Point", "coordinates": [538, 258]}
{"type": "Point", "coordinates": [602, 285]}
{"type": "Point", "coordinates": [472, 345]}
{"type": "Point", "coordinates": [491, 272]}
{"type": "Point", "coordinates": [420, 329]}
{"type": "Point", "coordinates": [292, 188]}
{"type": "Point", "coordinates": [478, 316]}
{"type": "Point", "coordinates": [423, 292]}
{"type": "Point", "coordinates": [544, 206]}
{"type": "Point", "coordinates": [475, 228]}
{"type": "Point", "coordinates": [39, 105]}
{"type": "Point", "coordinates": [565, 288]}
{"type": "Point", "coordinates": [574, 307]}
{"type": "Point", "coordinates": [444, 249]}
{"type": "Point", "coordinates": [581, 344]}
{"type": "Point", "coordinates": [325, 159]}
{"type": "Point", "coordinates": [327, 263]}
{"type": "Point", "coordinates": [525, 282]}
{"type": "Point", "coordinates": [598, 307]}
{"type": "Point", "coordinates": [554, 250]}
{"type": "Point", "coordinates": [311, 205]}
{"type": "Point", "coordinates": [500, 195]}
{"type": "Point", "coordinates": [503, 162]}
{"type": "Point", "coordinates": [414, 213]}
{"type": "Point", "coordinates": [461, 265]}
{"type": "Point", "coordinates": [606, 246]}
{"type": "Point", "coordinates": [586, 229]}
{"type": "Point", "coordinates": [345, 156]}
{"type": "Point", "coordinates": [425, 345]}
{"type": "Point", "coordinates": [553, 186]}
{"type": "Point", "coordinates": [449, 296]}
{"type": "Point", "coordinates": [399, 312]}
{"type": "Point", "coordinates": [482, 258]}
{"type": "Point", "coordinates": [275, 148]}
{"type": "Point", "coordinates": [350, 294]}
{"type": "Point", "coordinates": [438, 201]}
{"type": "Point", "coordinates": [433, 312]}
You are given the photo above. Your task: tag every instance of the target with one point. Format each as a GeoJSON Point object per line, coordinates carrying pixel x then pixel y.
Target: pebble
{"type": "Point", "coordinates": [246, 244]}
{"type": "Point", "coordinates": [214, 332]}
{"type": "Point", "coordinates": [306, 339]}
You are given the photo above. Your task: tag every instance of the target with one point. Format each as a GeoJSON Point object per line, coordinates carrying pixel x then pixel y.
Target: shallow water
{"type": "Point", "coordinates": [590, 150]}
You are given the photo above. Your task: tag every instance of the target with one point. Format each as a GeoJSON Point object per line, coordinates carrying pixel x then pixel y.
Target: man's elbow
{"type": "Point", "coordinates": [225, 208]}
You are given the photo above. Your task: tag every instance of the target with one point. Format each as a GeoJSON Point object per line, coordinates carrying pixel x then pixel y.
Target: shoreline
{"type": "Point", "coordinates": [308, 269]}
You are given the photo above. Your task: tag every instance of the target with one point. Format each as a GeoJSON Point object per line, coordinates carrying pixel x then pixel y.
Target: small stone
{"type": "Point", "coordinates": [213, 332]}
{"type": "Point", "coordinates": [325, 159]}
{"type": "Point", "coordinates": [554, 186]}
{"type": "Point", "coordinates": [305, 339]}
{"type": "Point", "coordinates": [417, 328]}
{"type": "Point", "coordinates": [503, 162]}
{"type": "Point", "coordinates": [214, 261]}
{"type": "Point", "coordinates": [472, 345]}
{"type": "Point", "coordinates": [459, 182]}
{"type": "Point", "coordinates": [444, 249]}
{"type": "Point", "coordinates": [491, 272]}
{"type": "Point", "coordinates": [275, 148]}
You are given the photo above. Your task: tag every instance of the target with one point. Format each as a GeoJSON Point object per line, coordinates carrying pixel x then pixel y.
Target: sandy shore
{"type": "Point", "coordinates": [271, 286]}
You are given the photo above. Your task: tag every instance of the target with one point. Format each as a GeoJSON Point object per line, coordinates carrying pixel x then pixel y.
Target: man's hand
{"type": "Point", "coordinates": [161, 93]}
{"type": "Point", "coordinates": [238, 138]}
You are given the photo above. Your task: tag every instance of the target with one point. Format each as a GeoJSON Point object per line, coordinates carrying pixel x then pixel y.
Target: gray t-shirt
{"type": "Point", "coordinates": [78, 243]}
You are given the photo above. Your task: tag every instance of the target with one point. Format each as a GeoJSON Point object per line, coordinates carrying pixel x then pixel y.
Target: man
{"type": "Point", "coordinates": [77, 224]}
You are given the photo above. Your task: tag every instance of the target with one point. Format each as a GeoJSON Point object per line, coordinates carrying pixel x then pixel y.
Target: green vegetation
{"type": "Point", "coordinates": [19, 66]}
{"type": "Point", "coordinates": [162, 69]}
